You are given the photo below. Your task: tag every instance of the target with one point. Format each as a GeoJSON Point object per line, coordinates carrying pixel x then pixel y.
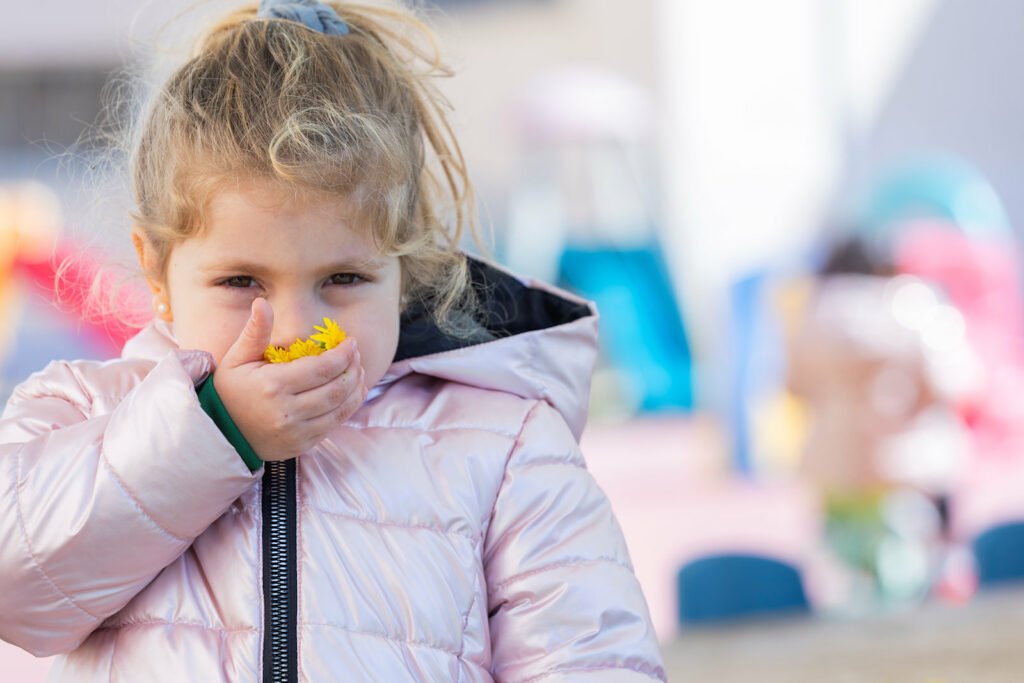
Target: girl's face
{"type": "Point", "coordinates": [306, 255]}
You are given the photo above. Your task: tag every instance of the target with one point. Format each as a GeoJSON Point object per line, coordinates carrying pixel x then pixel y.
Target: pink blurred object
{"type": "Point", "coordinates": [70, 287]}
{"type": "Point", "coordinates": [982, 278]}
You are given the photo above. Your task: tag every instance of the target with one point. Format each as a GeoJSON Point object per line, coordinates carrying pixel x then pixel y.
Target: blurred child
{"type": "Point", "coordinates": [869, 358]}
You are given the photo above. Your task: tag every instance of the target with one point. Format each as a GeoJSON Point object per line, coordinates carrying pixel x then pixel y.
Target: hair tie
{"type": "Point", "coordinates": [310, 13]}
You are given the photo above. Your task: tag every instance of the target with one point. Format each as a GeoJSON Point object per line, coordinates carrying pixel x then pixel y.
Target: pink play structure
{"type": "Point", "coordinates": [982, 278]}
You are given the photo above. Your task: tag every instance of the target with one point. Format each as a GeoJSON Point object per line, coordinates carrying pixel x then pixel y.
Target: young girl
{"type": "Point", "coordinates": [410, 505]}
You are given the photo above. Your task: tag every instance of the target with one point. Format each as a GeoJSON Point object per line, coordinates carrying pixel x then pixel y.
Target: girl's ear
{"type": "Point", "coordinates": [147, 257]}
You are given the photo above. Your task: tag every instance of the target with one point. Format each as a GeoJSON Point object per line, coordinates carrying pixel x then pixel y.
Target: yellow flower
{"type": "Point", "coordinates": [275, 354]}
{"type": "Point", "coordinates": [304, 347]}
{"type": "Point", "coordinates": [329, 336]}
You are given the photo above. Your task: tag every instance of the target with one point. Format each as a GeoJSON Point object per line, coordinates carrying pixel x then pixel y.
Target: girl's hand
{"type": "Point", "coordinates": [284, 409]}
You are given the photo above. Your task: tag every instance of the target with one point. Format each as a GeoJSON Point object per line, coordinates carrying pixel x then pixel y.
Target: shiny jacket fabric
{"type": "Point", "coordinates": [448, 531]}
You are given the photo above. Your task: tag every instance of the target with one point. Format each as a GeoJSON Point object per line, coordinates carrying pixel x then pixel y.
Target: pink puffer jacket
{"type": "Point", "coordinates": [449, 531]}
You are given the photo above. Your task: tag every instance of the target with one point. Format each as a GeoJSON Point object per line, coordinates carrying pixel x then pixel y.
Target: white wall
{"type": "Point", "coordinates": [764, 103]}
{"type": "Point", "coordinates": [751, 150]}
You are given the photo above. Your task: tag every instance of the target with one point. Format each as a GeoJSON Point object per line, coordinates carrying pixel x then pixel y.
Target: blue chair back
{"type": "Point", "coordinates": [724, 587]}
{"type": "Point", "coordinates": [999, 553]}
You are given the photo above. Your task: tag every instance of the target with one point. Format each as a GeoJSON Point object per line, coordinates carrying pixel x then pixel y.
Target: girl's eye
{"type": "Point", "coordinates": [238, 281]}
{"type": "Point", "coordinates": [344, 279]}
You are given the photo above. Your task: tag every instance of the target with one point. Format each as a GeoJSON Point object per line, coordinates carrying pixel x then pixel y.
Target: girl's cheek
{"type": "Point", "coordinates": [221, 335]}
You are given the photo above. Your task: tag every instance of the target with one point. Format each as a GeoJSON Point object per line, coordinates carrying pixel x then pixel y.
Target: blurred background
{"type": "Point", "coordinates": [799, 220]}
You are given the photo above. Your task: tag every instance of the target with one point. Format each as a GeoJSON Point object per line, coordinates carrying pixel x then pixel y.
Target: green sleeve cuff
{"type": "Point", "coordinates": [212, 405]}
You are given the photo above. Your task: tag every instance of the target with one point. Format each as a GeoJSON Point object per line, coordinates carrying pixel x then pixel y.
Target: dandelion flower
{"type": "Point", "coordinates": [275, 354]}
{"type": "Point", "coordinates": [328, 337]}
{"type": "Point", "coordinates": [304, 347]}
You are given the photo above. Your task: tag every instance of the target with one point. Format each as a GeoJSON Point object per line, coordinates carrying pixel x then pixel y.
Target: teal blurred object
{"type": "Point", "coordinates": [999, 554]}
{"type": "Point", "coordinates": [642, 330]}
{"type": "Point", "coordinates": [727, 587]}
{"type": "Point", "coordinates": [934, 186]}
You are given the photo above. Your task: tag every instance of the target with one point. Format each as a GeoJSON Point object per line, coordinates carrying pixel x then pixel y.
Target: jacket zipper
{"type": "Point", "coordinates": [280, 604]}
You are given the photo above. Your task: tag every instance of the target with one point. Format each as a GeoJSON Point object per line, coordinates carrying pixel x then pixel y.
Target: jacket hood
{"type": "Point", "coordinates": [529, 339]}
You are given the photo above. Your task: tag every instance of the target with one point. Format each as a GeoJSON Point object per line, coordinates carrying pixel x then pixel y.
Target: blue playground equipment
{"type": "Point", "coordinates": [757, 358]}
{"type": "Point", "coordinates": [726, 587]}
{"type": "Point", "coordinates": [641, 328]}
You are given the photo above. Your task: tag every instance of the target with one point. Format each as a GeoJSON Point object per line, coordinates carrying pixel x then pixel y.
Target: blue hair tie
{"type": "Point", "coordinates": [309, 13]}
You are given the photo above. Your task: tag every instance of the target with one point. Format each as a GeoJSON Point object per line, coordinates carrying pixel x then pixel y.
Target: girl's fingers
{"type": "Point", "coordinates": [255, 336]}
{"type": "Point", "coordinates": [325, 398]}
{"type": "Point", "coordinates": [323, 424]}
{"type": "Point", "coordinates": [311, 372]}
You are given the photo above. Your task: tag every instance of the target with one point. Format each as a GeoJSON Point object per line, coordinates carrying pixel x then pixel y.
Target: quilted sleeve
{"type": "Point", "coordinates": [564, 604]}
{"type": "Point", "coordinates": [93, 506]}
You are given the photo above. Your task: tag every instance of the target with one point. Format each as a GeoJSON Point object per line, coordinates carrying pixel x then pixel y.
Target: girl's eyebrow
{"type": "Point", "coordinates": [370, 264]}
{"type": "Point", "coordinates": [234, 266]}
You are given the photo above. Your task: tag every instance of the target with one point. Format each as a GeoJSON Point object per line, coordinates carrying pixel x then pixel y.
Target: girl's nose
{"type": "Point", "coordinates": [293, 319]}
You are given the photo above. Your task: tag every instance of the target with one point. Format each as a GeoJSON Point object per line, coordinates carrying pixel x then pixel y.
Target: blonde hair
{"type": "Point", "coordinates": [355, 116]}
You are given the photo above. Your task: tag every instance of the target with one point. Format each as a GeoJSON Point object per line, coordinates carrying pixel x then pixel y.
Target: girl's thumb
{"type": "Point", "coordinates": [255, 336]}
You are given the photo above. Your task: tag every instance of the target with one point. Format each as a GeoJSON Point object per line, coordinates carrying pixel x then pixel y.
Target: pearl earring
{"type": "Point", "coordinates": [161, 308]}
